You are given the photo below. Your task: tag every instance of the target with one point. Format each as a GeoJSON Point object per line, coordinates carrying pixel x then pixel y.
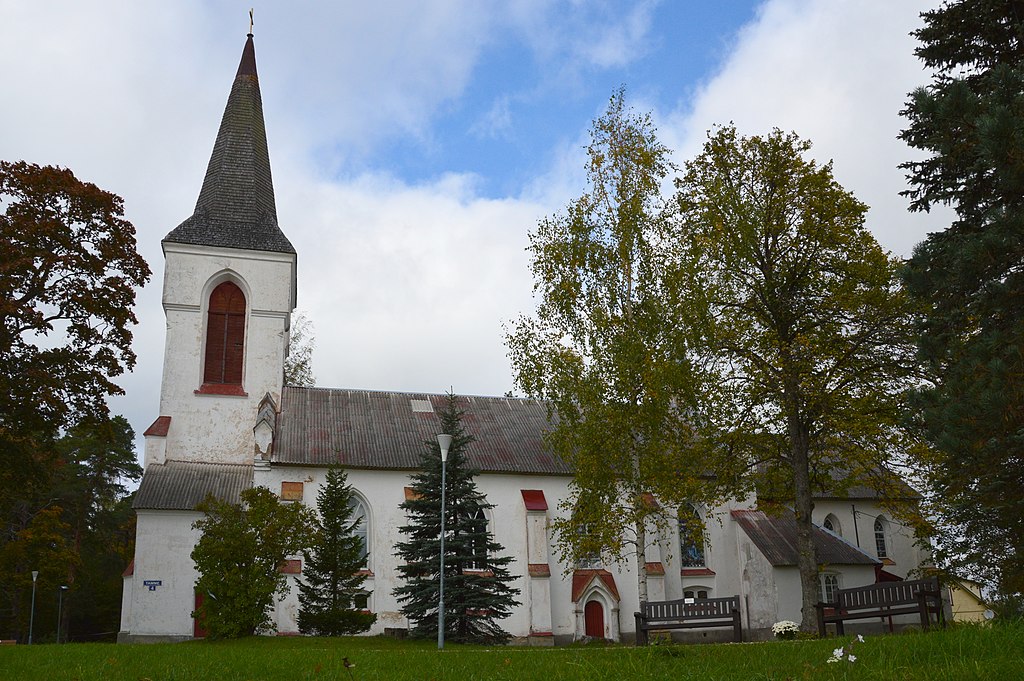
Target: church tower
{"type": "Point", "coordinates": [228, 293]}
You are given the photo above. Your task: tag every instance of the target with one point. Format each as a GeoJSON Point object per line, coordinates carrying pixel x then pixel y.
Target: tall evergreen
{"type": "Point", "coordinates": [477, 589]}
{"type": "Point", "coordinates": [970, 279]}
{"type": "Point", "coordinates": [332, 576]}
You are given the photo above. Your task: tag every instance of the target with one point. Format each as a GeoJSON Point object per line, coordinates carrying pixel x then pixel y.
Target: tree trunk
{"type": "Point", "coordinates": [803, 504]}
{"type": "Point", "coordinates": [641, 559]}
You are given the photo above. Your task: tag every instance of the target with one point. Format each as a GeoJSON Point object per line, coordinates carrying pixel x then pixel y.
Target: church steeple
{"type": "Point", "coordinates": [236, 206]}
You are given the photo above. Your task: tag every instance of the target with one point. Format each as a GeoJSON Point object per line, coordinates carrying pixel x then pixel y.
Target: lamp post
{"type": "Point", "coordinates": [444, 441]}
{"type": "Point", "coordinates": [60, 607]}
{"type": "Point", "coordinates": [32, 612]}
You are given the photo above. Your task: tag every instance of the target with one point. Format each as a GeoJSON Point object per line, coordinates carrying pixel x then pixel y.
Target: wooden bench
{"type": "Point", "coordinates": [688, 613]}
{"type": "Point", "coordinates": [921, 596]}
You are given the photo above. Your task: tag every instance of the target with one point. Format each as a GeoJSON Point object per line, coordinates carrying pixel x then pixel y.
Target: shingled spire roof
{"type": "Point", "coordinates": [236, 204]}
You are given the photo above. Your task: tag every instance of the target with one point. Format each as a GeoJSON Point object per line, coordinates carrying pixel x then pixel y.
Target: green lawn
{"type": "Point", "coordinates": [994, 653]}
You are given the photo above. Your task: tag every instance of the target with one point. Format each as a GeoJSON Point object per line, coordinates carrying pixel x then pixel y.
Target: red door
{"type": "Point", "coordinates": [198, 630]}
{"type": "Point", "coordinates": [593, 618]}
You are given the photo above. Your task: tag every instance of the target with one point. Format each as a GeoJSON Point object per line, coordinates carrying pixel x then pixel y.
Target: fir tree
{"type": "Point", "coordinates": [332, 576]}
{"type": "Point", "coordinates": [969, 278]}
{"type": "Point", "coordinates": [476, 579]}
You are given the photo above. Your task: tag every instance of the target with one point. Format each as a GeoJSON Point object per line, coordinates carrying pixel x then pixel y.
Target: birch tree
{"type": "Point", "coordinates": [605, 353]}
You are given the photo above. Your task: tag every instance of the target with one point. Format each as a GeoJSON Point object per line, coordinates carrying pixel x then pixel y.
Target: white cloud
{"type": "Point", "coordinates": [836, 72]}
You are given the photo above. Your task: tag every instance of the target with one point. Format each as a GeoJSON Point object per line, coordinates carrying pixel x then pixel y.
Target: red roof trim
{"type": "Point", "coordinates": [231, 389]}
{"type": "Point", "coordinates": [539, 570]}
{"type": "Point", "coordinates": [696, 572]}
{"type": "Point", "coordinates": [130, 570]}
{"type": "Point", "coordinates": [159, 427]}
{"type": "Point", "coordinates": [655, 569]}
{"type": "Point", "coordinates": [581, 579]}
{"type": "Point", "coordinates": [534, 500]}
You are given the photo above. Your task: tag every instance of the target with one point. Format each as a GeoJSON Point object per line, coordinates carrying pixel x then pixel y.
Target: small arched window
{"type": "Point", "coordinates": [225, 335]}
{"type": "Point", "coordinates": [691, 538]}
{"type": "Point", "coordinates": [829, 587]}
{"type": "Point", "coordinates": [881, 550]}
{"type": "Point", "coordinates": [361, 530]}
{"type": "Point", "coordinates": [832, 525]}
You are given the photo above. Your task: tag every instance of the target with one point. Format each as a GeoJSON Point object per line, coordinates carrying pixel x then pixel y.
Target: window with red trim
{"type": "Point", "coordinates": [225, 335]}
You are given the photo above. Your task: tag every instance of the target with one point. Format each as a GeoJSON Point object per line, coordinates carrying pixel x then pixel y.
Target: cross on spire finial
{"type": "Point", "coordinates": [250, 21]}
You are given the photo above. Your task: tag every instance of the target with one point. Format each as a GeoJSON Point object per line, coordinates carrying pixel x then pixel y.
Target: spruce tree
{"type": "Point", "coordinates": [332, 576]}
{"type": "Point", "coordinates": [969, 279]}
{"type": "Point", "coordinates": [477, 589]}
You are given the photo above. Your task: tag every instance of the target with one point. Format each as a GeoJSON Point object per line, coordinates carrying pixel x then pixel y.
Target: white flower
{"type": "Point", "coordinates": [838, 653]}
{"type": "Point", "coordinates": [860, 639]}
{"type": "Point", "coordinates": [852, 658]}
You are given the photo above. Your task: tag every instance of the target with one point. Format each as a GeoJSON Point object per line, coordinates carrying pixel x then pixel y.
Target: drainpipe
{"type": "Point", "coordinates": [856, 531]}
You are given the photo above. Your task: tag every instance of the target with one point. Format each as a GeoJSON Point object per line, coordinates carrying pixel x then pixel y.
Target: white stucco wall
{"type": "Point", "coordinates": [164, 543]}
{"type": "Point", "coordinates": [857, 518]}
{"type": "Point", "coordinates": [218, 428]}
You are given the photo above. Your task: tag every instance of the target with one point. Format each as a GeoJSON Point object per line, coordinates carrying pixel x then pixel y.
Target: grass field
{"type": "Point", "coordinates": [995, 653]}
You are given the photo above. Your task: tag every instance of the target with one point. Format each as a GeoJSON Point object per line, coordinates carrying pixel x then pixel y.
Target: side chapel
{"type": "Point", "coordinates": [227, 423]}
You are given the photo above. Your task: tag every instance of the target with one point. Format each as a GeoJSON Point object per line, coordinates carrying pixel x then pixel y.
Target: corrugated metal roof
{"type": "Point", "coordinates": [371, 429]}
{"type": "Point", "coordinates": [775, 537]}
{"type": "Point", "coordinates": [179, 486]}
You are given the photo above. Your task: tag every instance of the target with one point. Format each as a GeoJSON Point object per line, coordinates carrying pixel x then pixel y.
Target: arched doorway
{"type": "Point", "coordinates": [593, 617]}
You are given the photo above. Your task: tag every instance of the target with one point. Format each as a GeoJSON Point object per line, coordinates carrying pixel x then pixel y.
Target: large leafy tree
{"type": "Point", "coordinates": [68, 275]}
{"type": "Point", "coordinates": [332, 575]}
{"type": "Point", "coordinates": [606, 353]}
{"type": "Point", "coordinates": [802, 317]}
{"type": "Point", "coordinates": [969, 122]}
{"type": "Point", "coordinates": [93, 462]}
{"type": "Point", "coordinates": [477, 589]}
{"type": "Point", "coordinates": [44, 545]}
{"type": "Point", "coordinates": [239, 556]}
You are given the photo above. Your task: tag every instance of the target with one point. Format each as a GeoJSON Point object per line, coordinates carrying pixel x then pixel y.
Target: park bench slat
{"type": "Point", "coordinates": [688, 614]}
{"type": "Point", "coordinates": [920, 596]}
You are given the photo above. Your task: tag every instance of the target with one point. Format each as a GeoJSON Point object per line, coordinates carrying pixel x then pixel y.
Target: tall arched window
{"type": "Point", "coordinates": [362, 525]}
{"type": "Point", "coordinates": [225, 335]}
{"type": "Point", "coordinates": [691, 538]}
{"type": "Point", "coordinates": [478, 541]}
{"type": "Point", "coordinates": [832, 525]}
{"type": "Point", "coordinates": [880, 548]}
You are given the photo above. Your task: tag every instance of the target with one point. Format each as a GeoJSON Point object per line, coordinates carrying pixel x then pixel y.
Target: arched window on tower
{"type": "Point", "coordinates": [225, 336]}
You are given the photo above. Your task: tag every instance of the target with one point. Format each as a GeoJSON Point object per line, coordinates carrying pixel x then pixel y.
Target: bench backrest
{"type": "Point", "coordinates": [689, 608]}
{"type": "Point", "coordinates": [885, 593]}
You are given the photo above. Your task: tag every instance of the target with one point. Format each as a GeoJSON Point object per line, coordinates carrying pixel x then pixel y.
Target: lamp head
{"type": "Point", "coordinates": [444, 440]}
{"type": "Point", "coordinates": [35, 575]}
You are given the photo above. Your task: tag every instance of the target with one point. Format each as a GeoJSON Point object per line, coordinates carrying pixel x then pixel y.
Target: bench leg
{"type": "Point", "coordinates": [821, 620]}
{"type": "Point", "coordinates": [641, 633]}
{"type": "Point", "coordinates": [737, 628]}
{"type": "Point", "coordinates": [922, 604]}
{"type": "Point", "coordinates": [840, 628]}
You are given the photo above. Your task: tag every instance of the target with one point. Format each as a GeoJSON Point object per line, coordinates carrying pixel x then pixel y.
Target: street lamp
{"type": "Point", "coordinates": [60, 606]}
{"type": "Point", "coordinates": [32, 612]}
{"type": "Point", "coordinates": [444, 440]}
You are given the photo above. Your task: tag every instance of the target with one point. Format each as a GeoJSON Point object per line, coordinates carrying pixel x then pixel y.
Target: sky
{"type": "Point", "coordinates": [415, 145]}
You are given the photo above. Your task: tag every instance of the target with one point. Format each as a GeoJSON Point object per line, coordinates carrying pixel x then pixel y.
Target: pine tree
{"type": "Point", "coordinates": [332, 576]}
{"type": "Point", "coordinates": [969, 278]}
{"type": "Point", "coordinates": [476, 587]}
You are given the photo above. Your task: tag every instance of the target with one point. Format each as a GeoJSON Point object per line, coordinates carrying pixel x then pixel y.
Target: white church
{"type": "Point", "coordinates": [227, 423]}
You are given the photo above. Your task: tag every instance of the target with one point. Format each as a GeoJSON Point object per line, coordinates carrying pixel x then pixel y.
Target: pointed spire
{"type": "Point", "coordinates": [236, 206]}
